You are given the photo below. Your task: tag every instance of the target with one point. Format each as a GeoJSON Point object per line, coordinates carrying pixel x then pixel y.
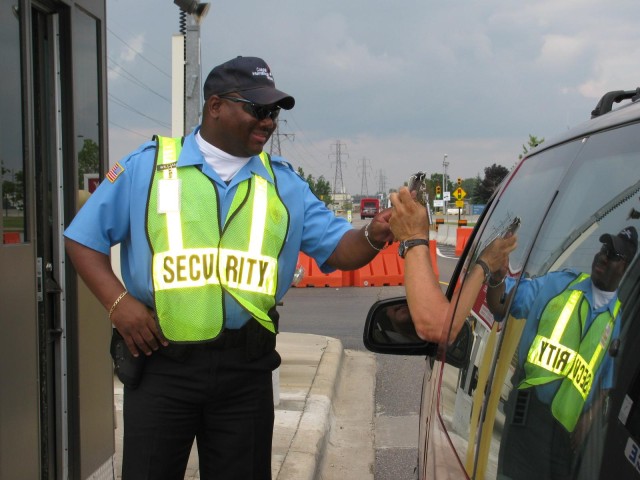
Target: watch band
{"type": "Point", "coordinates": [485, 269]}
{"type": "Point", "coordinates": [405, 245]}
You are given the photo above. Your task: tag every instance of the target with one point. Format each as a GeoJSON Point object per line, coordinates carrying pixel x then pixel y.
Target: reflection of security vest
{"type": "Point", "coordinates": [194, 263]}
{"type": "Point", "coordinates": [562, 351]}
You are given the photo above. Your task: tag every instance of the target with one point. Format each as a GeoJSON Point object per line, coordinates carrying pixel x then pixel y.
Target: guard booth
{"type": "Point", "coordinates": [56, 400]}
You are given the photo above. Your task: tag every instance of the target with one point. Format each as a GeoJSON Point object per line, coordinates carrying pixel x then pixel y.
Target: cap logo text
{"type": "Point", "coordinates": [262, 71]}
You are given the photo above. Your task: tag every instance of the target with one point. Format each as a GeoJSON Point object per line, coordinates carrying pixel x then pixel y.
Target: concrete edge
{"type": "Point", "coordinates": [309, 442]}
{"type": "Point", "coordinates": [350, 448]}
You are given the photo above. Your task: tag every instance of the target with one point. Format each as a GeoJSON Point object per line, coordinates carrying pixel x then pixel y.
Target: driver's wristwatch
{"type": "Point", "coordinates": [405, 245]}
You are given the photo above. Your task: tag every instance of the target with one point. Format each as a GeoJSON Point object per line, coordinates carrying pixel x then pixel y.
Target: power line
{"type": "Point", "coordinates": [275, 139]}
{"type": "Point", "coordinates": [132, 78]}
{"type": "Point", "coordinates": [129, 130]}
{"type": "Point", "coordinates": [302, 153]}
{"type": "Point", "coordinates": [168, 75]}
{"type": "Point", "coordinates": [123, 104]}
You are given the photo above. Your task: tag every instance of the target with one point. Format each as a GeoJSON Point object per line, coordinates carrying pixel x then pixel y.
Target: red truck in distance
{"type": "Point", "coordinates": [369, 207]}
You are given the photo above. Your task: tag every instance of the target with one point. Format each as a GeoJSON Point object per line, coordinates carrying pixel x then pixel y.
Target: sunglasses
{"type": "Point", "coordinates": [259, 112]}
{"type": "Point", "coordinates": [611, 254]}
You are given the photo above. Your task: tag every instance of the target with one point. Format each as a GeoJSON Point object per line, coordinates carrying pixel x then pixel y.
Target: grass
{"type": "Point", "coordinates": [13, 223]}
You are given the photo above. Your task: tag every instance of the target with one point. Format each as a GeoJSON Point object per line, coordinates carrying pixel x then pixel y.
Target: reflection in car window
{"type": "Point", "coordinates": [537, 178]}
{"type": "Point", "coordinates": [563, 219]}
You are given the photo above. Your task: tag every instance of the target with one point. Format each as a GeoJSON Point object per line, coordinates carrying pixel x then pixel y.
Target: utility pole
{"type": "Point", "coordinates": [186, 88]}
{"type": "Point", "coordinates": [445, 164]}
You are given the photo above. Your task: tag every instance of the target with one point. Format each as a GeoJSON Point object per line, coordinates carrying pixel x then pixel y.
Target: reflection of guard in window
{"type": "Point", "coordinates": [566, 349]}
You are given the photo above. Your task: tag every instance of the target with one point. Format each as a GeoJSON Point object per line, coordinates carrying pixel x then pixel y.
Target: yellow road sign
{"type": "Point", "coordinates": [459, 193]}
{"type": "Point", "coordinates": [459, 203]}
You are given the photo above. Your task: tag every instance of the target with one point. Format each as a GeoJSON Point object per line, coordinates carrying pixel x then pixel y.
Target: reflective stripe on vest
{"type": "Point", "coordinates": [193, 263]}
{"type": "Point", "coordinates": [565, 353]}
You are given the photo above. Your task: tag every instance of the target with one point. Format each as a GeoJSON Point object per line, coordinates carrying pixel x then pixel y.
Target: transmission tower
{"type": "Point", "coordinates": [338, 184]}
{"type": "Point", "coordinates": [274, 146]}
{"type": "Point", "coordinates": [364, 188]}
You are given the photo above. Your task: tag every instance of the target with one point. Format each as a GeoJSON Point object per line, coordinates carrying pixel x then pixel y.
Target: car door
{"type": "Point", "coordinates": [566, 198]}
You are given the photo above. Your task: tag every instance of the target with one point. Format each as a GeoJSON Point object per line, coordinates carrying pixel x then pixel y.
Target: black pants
{"type": "Point", "coordinates": [217, 396]}
{"type": "Point", "coordinates": [534, 444]}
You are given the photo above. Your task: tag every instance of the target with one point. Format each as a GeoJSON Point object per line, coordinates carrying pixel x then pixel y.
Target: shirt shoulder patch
{"type": "Point", "coordinates": [115, 172]}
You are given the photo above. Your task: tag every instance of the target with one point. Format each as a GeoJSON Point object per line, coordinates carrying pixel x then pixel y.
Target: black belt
{"type": "Point", "coordinates": [253, 337]}
{"type": "Point", "coordinates": [227, 339]}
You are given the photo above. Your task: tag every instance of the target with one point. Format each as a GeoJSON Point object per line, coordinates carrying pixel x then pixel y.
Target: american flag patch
{"type": "Point", "coordinates": [115, 172]}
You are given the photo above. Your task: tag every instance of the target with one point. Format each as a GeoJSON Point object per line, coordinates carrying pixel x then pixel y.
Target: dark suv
{"type": "Point", "coordinates": [510, 397]}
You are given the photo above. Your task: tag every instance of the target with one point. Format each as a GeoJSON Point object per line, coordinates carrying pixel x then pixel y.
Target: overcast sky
{"type": "Point", "coordinates": [397, 83]}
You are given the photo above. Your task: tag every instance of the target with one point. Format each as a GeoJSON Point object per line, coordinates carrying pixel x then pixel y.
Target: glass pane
{"type": "Point", "coordinates": [465, 390]}
{"type": "Point", "coordinates": [12, 186]}
{"type": "Point", "coordinates": [563, 330]}
{"type": "Point", "coordinates": [86, 96]}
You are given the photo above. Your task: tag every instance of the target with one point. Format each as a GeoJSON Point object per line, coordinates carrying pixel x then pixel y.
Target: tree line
{"type": "Point", "coordinates": [478, 190]}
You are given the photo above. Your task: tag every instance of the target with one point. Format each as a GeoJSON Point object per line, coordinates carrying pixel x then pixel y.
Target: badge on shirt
{"type": "Point", "coordinates": [169, 195]}
{"type": "Point", "coordinates": [604, 340]}
{"type": "Point", "coordinates": [115, 172]}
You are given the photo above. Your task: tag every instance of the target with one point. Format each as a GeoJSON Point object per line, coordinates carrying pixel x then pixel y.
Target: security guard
{"type": "Point", "coordinates": [210, 228]}
{"type": "Point", "coordinates": [565, 359]}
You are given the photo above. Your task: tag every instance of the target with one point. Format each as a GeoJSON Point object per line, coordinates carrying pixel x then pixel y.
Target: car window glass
{"type": "Point", "coordinates": [555, 359]}
{"type": "Point", "coordinates": [561, 418]}
{"type": "Point", "coordinates": [562, 221]}
{"type": "Point", "coordinates": [534, 179]}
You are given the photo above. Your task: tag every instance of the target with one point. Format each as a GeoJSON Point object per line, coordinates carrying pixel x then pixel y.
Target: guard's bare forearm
{"type": "Point", "coordinates": [358, 247]}
{"type": "Point", "coordinates": [352, 252]}
{"type": "Point", "coordinates": [95, 270]}
{"type": "Point", "coordinates": [133, 319]}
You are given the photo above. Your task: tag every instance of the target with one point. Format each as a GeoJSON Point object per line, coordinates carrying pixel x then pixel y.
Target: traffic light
{"type": "Point", "coordinates": [438, 191]}
{"type": "Point", "coordinates": [459, 181]}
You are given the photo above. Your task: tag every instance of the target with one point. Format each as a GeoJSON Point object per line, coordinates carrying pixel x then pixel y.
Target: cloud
{"type": "Point", "coordinates": [401, 83]}
{"type": "Point", "coordinates": [559, 51]}
{"type": "Point", "coordinates": [136, 47]}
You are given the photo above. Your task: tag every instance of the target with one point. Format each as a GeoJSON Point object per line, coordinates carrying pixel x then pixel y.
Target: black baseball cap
{"type": "Point", "coordinates": [625, 242]}
{"type": "Point", "coordinates": [250, 77]}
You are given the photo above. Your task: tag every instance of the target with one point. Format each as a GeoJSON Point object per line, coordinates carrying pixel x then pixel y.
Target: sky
{"type": "Point", "coordinates": [384, 89]}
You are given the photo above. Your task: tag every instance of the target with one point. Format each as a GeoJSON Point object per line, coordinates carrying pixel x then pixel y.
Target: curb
{"type": "Point", "coordinates": [309, 442]}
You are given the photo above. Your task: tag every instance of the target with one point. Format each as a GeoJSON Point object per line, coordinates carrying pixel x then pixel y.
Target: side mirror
{"type": "Point", "coordinates": [389, 329]}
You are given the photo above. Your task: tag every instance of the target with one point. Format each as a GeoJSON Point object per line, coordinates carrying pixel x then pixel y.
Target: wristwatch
{"type": "Point", "coordinates": [486, 271]}
{"type": "Point", "coordinates": [405, 245]}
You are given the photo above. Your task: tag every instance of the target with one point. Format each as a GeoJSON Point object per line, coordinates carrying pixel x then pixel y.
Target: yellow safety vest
{"type": "Point", "coordinates": [194, 263]}
{"type": "Point", "coordinates": [562, 351]}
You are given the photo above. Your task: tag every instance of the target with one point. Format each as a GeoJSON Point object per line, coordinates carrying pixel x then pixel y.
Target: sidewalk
{"type": "Point", "coordinates": [305, 388]}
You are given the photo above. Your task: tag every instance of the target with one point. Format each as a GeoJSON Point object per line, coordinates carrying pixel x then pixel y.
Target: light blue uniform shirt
{"type": "Point", "coordinates": [532, 297]}
{"type": "Point", "coordinates": [116, 214]}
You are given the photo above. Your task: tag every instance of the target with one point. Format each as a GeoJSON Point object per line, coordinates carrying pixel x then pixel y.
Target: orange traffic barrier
{"type": "Point", "coordinates": [386, 269]}
{"type": "Point", "coordinates": [462, 237]}
{"type": "Point", "coordinates": [462, 222]}
{"type": "Point", "coordinates": [314, 277]}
